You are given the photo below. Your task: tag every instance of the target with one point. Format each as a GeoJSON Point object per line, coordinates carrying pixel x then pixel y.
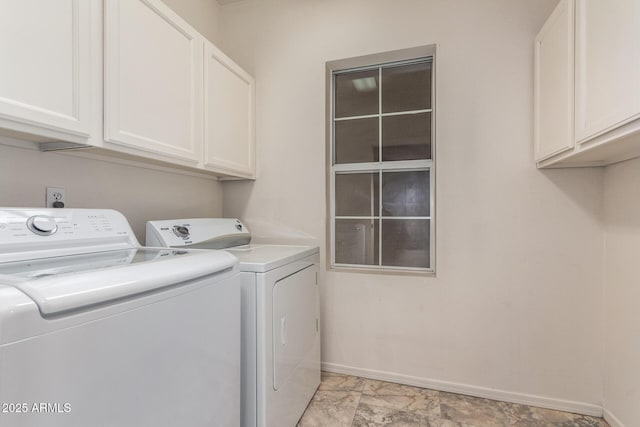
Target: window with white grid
{"type": "Point", "coordinates": [382, 166]}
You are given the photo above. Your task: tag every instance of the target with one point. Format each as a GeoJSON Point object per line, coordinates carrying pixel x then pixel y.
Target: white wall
{"type": "Point", "coordinates": [622, 291]}
{"type": "Point", "coordinates": [140, 194]}
{"type": "Point", "coordinates": [516, 304]}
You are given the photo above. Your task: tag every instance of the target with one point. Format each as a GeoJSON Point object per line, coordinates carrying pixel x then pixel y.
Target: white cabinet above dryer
{"type": "Point", "coordinates": [152, 78]}
{"type": "Point", "coordinates": [45, 77]}
{"type": "Point", "coordinates": [229, 105]}
{"type": "Point", "coordinates": [171, 95]}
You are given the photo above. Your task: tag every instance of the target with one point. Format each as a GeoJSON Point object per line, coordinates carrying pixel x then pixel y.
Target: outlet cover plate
{"type": "Point", "coordinates": [55, 194]}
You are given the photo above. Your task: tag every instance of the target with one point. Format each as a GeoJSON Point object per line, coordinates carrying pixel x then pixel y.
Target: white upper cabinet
{"type": "Point", "coordinates": [128, 79]}
{"type": "Point", "coordinates": [229, 145]}
{"type": "Point", "coordinates": [598, 59]}
{"type": "Point", "coordinates": [45, 76]}
{"type": "Point", "coordinates": [553, 112]}
{"type": "Point", "coordinates": [607, 65]}
{"type": "Point", "coordinates": [152, 80]}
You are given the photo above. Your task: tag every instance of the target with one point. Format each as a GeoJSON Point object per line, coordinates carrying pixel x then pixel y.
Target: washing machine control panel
{"type": "Point", "coordinates": [42, 225]}
{"type": "Point", "coordinates": [26, 225]}
{"type": "Point", "coordinates": [56, 232]}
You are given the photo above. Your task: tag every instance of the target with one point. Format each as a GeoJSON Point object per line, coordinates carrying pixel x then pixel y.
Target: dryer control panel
{"type": "Point", "coordinates": [202, 233]}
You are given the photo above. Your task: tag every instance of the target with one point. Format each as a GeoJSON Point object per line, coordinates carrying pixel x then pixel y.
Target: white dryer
{"type": "Point", "coordinates": [280, 315]}
{"type": "Point", "coordinates": [97, 331]}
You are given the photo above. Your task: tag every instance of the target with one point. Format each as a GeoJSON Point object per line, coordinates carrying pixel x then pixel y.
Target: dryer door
{"type": "Point", "coordinates": [294, 324]}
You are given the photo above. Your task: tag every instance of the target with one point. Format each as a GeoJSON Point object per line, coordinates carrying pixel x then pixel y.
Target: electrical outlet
{"type": "Point", "coordinates": [55, 197]}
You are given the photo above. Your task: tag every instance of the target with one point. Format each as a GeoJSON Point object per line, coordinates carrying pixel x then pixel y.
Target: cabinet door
{"type": "Point", "coordinates": [46, 66]}
{"type": "Point", "coordinates": [229, 116]}
{"type": "Point", "coordinates": [607, 65]}
{"type": "Point", "coordinates": [553, 110]}
{"type": "Point", "coordinates": [152, 70]}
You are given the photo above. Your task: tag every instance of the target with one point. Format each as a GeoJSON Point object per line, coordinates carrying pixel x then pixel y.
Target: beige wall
{"type": "Point", "coordinates": [622, 291]}
{"type": "Point", "coordinates": [203, 15]}
{"type": "Point", "coordinates": [516, 304]}
{"type": "Point", "coordinates": [140, 194]}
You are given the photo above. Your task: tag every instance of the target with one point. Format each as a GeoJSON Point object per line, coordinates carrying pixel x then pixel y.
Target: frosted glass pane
{"type": "Point", "coordinates": [356, 94]}
{"type": "Point", "coordinates": [405, 193]}
{"type": "Point", "coordinates": [357, 194]}
{"type": "Point", "coordinates": [356, 141]}
{"type": "Point", "coordinates": [405, 243]}
{"type": "Point", "coordinates": [356, 242]}
{"type": "Point", "coordinates": [406, 88]}
{"type": "Point", "coordinates": [406, 137]}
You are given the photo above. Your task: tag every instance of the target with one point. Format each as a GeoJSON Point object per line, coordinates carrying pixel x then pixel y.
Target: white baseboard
{"type": "Point", "coordinates": [471, 390]}
{"type": "Point", "coordinates": [612, 419]}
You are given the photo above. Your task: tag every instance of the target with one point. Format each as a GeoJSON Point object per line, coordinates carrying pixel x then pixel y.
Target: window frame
{"type": "Point", "coordinates": [397, 57]}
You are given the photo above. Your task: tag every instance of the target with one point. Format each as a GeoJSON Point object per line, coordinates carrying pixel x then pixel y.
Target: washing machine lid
{"type": "Point", "coordinates": [62, 284]}
{"type": "Point", "coordinates": [263, 258]}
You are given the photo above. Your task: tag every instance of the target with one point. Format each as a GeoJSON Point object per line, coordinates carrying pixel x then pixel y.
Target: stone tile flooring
{"type": "Point", "coordinates": [347, 401]}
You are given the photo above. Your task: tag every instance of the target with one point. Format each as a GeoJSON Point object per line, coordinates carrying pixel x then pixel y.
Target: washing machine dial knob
{"type": "Point", "coordinates": [42, 225]}
{"type": "Point", "coordinates": [181, 231]}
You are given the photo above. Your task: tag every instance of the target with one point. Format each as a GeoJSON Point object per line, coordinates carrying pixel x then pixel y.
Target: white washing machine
{"type": "Point", "coordinates": [280, 315]}
{"type": "Point", "coordinates": [97, 331]}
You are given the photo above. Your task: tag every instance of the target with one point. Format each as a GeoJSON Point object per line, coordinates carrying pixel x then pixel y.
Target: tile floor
{"type": "Point", "coordinates": [347, 401]}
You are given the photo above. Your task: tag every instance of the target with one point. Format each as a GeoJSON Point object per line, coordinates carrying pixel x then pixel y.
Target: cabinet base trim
{"type": "Point", "coordinates": [615, 146]}
{"type": "Point", "coordinates": [110, 157]}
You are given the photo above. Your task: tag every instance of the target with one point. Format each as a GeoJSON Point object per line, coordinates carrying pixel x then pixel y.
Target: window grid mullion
{"type": "Point", "coordinates": [380, 171]}
{"type": "Point", "coordinates": [401, 218]}
{"type": "Point", "coordinates": [333, 160]}
{"type": "Point", "coordinates": [391, 64]}
{"type": "Point", "coordinates": [373, 116]}
{"type": "Point", "coordinates": [394, 166]}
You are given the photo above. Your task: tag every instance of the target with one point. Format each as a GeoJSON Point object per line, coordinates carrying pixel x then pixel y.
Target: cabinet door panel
{"type": "Point", "coordinates": [554, 83]}
{"type": "Point", "coordinates": [607, 65]}
{"type": "Point", "coordinates": [152, 67]}
{"type": "Point", "coordinates": [46, 69]}
{"type": "Point", "coordinates": [229, 116]}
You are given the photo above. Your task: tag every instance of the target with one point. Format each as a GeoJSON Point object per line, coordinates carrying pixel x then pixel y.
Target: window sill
{"type": "Point", "coordinates": [382, 271]}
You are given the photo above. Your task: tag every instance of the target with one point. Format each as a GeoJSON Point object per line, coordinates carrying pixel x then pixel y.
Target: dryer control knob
{"type": "Point", "coordinates": [181, 231]}
{"type": "Point", "coordinates": [42, 225]}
